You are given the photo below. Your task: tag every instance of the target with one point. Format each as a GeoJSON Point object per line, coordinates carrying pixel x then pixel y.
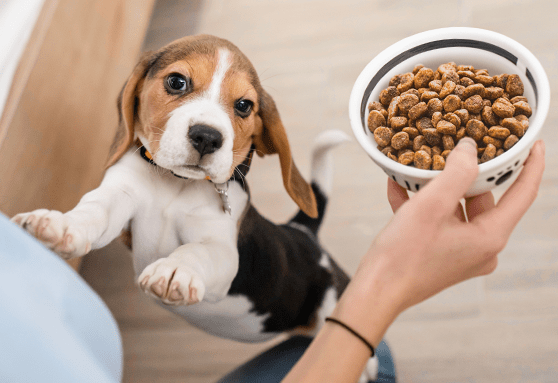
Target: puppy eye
{"type": "Point", "coordinates": [243, 107]}
{"type": "Point", "coordinates": [176, 83]}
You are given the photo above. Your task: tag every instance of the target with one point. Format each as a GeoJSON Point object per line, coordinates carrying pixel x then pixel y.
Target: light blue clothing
{"type": "Point", "coordinates": [53, 326]}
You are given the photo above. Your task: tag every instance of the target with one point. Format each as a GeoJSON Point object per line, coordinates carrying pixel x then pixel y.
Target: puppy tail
{"type": "Point", "coordinates": [321, 176]}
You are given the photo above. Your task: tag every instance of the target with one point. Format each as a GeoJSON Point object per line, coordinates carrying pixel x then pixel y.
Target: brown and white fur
{"type": "Point", "coordinates": [198, 107]}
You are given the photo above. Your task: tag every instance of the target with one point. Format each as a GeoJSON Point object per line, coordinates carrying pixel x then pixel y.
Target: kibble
{"type": "Point", "coordinates": [418, 142]}
{"type": "Point", "coordinates": [435, 85]}
{"type": "Point", "coordinates": [398, 123]}
{"type": "Point", "coordinates": [483, 79]}
{"type": "Point", "coordinates": [428, 95]}
{"type": "Point", "coordinates": [454, 119]}
{"type": "Point", "coordinates": [499, 132]}
{"type": "Point", "coordinates": [423, 77]}
{"type": "Point", "coordinates": [424, 123]}
{"type": "Point", "coordinates": [438, 162]}
{"type": "Point", "coordinates": [406, 82]}
{"type": "Point", "coordinates": [450, 76]}
{"type": "Point", "coordinates": [423, 160]}
{"type": "Point", "coordinates": [463, 115]}
{"type": "Point", "coordinates": [436, 118]}
{"type": "Point", "coordinates": [451, 103]}
{"type": "Point", "coordinates": [524, 120]}
{"type": "Point", "coordinates": [383, 135]}
{"type": "Point", "coordinates": [522, 108]}
{"type": "Point", "coordinates": [474, 104]}
{"type": "Point", "coordinates": [493, 141]}
{"type": "Point", "coordinates": [412, 132]}
{"type": "Point", "coordinates": [476, 129]}
{"type": "Point", "coordinates": [400, 140]}
{"type": "Point", "coordinates": [406, 157]}
{"type": "Point", "coordinates": [406, 102]}
{"type": "Point", "coordinates": [514, 85]}
{"type": "Point", "coordinates": [420, 117]}
{"type": "Point", "coordinates": [446, 127]}
{"type": "Point", "coordinates": [459, 91]}
{"type": "Point", "coordinates": [434, 105]}
{"type": "Point", "coordinates": [510, 141]}
{"type": "Point", "coordinates": [503, 108]}
{"type": "Point", "coordinates": [474, 89]}
{"type": "Point", "coordinates": [460, 134]}
{"type": "Point", "coordinates": [388, 94]}
{"type": "Point", "coordinates": [514, 126]}
{"type": "Point", "coordinates": [489, 117]}
{"type": "Point", "coordinates": [465, 81]}
{"type": "Point", "coordinates": [448, 142]}
{"type": "Point", "coordinates": [418, 110]}
{"type": "Point", "coordinates": [447, 89]}
{"type": "Point", "coordinates": [432, 137]}
{"type": "Point", "coordinates": [427, 149]}
{"type": "Point", "coordinates": [388, 150]}
{"type": "Point", "coordinates": [375, 120]}
{"type": "Point", "coordinates": [489, 153]}
{"type": "Point", "coordinates": [493, 92]}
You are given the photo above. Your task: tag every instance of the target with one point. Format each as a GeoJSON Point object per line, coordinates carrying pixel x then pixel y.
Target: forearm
{"type": "Point", "coordinates": [369, 306]}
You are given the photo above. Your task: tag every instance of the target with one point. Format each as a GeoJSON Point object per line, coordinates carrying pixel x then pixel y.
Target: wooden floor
{"type": "Point", "coordinates": [501, 328]}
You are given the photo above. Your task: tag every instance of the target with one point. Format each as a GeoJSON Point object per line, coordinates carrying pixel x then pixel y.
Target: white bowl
{"type": "Point", "coordinates": [465, 46]}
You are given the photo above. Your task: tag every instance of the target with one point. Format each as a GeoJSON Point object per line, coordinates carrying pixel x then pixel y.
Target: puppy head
{"type": "Point", "coordinates": [197, 106]}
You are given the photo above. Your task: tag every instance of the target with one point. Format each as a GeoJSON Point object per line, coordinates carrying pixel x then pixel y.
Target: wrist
{"type": "Point", "coordinates": [373, 299]}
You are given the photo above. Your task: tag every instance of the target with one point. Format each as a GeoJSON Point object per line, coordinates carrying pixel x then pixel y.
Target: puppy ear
{"type": "Point", "coordinates": [127, 108]}
{"type": "Point", "coordinates": [272, 138]}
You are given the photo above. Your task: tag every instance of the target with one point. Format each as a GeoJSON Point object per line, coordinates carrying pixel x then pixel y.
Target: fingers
{"type": "Point", "coordinates": [477, 205]}
{"type": "Point", "coordinates": [460, 213]}
{"type": "Point", "coordinates": [460, 172]}
{"type": "Point", "coordinates": [518, 198]}
{"type": "Point", "coordinates": [397, 195]}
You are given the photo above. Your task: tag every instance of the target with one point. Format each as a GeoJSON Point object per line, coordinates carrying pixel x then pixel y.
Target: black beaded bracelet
{"type": "Point", "coordinates": [330, 319]}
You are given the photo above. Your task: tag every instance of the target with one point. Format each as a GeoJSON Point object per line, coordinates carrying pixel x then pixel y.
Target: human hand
{"type": "Point", "coordinates": [429, 245]}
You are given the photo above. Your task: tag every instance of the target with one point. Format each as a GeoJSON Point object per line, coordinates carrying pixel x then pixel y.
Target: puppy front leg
{"type": "Point", "coordinates": [98, 218]}
{"type": "Point", "coordinates": [192, 273]}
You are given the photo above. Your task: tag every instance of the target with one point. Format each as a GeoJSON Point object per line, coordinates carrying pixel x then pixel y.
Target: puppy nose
{"type": "Point", "coordinates": [205, 139]}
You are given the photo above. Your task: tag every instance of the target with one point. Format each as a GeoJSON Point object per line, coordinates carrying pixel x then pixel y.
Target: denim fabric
{"type": "Point", "coordinates": [273, 365]}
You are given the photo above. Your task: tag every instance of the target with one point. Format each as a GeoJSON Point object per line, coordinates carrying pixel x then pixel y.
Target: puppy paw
{"type": "Point", "coordinates": [54, 231]}
{"type": "Point", "coordinates": [172, 281]}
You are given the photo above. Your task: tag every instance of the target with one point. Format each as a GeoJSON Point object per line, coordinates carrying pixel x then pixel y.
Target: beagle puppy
{"type": "Point", "coordinates": [191, 116]}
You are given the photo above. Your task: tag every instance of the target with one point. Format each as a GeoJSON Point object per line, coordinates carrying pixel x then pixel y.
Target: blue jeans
{"type": "Point", "coordinates": [272, 365]}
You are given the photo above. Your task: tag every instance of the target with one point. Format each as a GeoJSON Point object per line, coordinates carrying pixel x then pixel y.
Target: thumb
{"type": "Point", "coordinates": [459, 173]}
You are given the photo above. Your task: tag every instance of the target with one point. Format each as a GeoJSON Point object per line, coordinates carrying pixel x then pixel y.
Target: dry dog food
{"type": "Point", "coordinates": [420, 116]}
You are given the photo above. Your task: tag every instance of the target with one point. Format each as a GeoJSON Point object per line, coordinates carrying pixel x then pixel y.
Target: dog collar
{"type": "Point", "coordinates": [149, 158]}
{"type": "Point", "coordinates": [220, 188]}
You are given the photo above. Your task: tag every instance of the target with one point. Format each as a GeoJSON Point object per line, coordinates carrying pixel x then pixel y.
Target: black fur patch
{"type": "Point", "coordinates": [313, 224]}
{"type": "Point", "coordinates": [279, 272]}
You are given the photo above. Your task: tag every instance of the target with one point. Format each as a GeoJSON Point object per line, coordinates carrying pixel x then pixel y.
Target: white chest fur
{"type": "Point", "coordinates": [170, 211]}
